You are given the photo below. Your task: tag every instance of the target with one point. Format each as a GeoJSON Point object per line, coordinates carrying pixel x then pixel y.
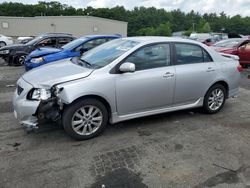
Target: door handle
{"type": "Point", "coordinates": [210, 69]}
{"type": "Point", "coordinates": [168, 75]}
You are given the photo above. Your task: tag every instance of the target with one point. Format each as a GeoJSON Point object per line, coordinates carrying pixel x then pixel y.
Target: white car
{"type": "Point", "coordinates": [23, 40]}
{"type": "Point", "coordinates": [5, 41]}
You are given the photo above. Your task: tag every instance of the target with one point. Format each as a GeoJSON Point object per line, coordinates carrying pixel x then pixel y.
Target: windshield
{"type": "Point", "coordinates": [74, 43]}
{"type": "Point", "coordinates": [38, 38]}
{"type": "Point", "coordinates": [108, 52]}
{"type": "Point", "coordinates": [228, 43]}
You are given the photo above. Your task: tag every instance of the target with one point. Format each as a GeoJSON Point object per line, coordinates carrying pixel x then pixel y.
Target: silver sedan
{"type": "Point", "coordinates": [124, 79]}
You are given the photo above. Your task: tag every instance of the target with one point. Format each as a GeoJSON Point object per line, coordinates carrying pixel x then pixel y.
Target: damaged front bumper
{"type": "Point", "coordinates": [32, 113]}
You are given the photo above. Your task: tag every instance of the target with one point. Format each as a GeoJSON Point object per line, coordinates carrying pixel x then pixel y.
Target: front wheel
{"type": "Point", "coordinates": [20, 59]}
{"type": "Point", "coordinates": [85, 119]}
{"type": "Point", "coordinates": [214, 99]}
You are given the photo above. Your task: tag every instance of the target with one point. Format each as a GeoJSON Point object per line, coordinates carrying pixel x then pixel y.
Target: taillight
{"type": "Point", "coordinates": [239, 68]}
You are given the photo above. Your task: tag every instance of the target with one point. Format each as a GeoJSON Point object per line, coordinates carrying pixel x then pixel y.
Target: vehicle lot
{"type": "Point", "coordinates": [181, 149]}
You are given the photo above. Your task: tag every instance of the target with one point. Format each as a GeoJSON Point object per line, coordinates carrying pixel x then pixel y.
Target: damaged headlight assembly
{"type": "Point", "coordinates": [39, 94]}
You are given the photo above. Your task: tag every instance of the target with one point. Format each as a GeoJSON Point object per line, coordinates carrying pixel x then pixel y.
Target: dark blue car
{"type": "Point", "coordinates": [75, 48]}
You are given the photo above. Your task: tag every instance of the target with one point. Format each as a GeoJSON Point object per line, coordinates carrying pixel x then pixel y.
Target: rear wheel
{"type": "Point", "coordinates": [85, 119]}
{"type": "Point", "coordinates": [214, 99]}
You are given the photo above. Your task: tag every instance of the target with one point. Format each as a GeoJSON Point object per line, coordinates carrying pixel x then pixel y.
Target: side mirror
{"type": "Point", "coordinates": [127, 67]}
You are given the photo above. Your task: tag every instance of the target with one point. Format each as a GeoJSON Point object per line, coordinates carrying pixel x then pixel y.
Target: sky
{"type": "Point", "coordinates": [230, 7]}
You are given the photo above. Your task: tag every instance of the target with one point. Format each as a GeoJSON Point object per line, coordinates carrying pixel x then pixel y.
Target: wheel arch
{"type": "Point", "coordinates": [223, 83]}
{"type": "Point", "coordinates": [97, 97]}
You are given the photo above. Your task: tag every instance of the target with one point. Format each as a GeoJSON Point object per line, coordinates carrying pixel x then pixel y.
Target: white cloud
{"type": "Point", "coordinates": [230, 7]}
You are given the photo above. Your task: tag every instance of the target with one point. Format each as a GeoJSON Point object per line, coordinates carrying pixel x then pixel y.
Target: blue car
{"type": "Point", "coordinates": [75, 48]}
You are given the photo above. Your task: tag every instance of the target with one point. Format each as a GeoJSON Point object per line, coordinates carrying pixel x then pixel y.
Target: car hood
{"type": "Point", "coordinates": [14, 46]}
{"type": "Point", "coordinates": [51, 74]}
{"type": "Point", "coordinates": [44, 51]}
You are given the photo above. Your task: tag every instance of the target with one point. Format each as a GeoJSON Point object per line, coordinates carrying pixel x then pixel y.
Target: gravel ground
{"type": "Point", "coordinates": [180, 149]}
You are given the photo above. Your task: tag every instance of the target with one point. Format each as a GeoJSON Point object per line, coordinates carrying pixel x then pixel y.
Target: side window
{"type": "Point", "coordinates": [64, 40]}
{"type": "Point", "coordinates": [189, 53]}
{"type": "Point", "coordinates": [149, 57]}
{"type": "Point", "coordinates": [49, 42]}
{"type": "Point", "coordinates": [245, 46]}
{"type": "Point", "coordinates": [207, 57]}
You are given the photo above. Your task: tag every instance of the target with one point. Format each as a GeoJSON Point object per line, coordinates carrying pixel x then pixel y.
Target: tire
{"type": "Point", "coordinates": [83, 124]}
{"type": "Point", "coordinates": [19, 60]}
{"type": "Point", "coordinates": [214, 103]}
{"type": "Point", "coordinates": [2, 44]}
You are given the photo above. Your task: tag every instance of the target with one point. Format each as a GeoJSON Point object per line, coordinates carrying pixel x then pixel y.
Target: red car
{"type": "Point", "coordinates": [237, 46]}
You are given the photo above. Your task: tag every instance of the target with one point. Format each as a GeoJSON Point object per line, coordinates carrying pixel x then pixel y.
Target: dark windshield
{"type": "Point", "coordinates": [108, 52]}
{"type": "Point", "coordinates": [74, 43]}
{"type": "Point", "coordinates": [228, 43]}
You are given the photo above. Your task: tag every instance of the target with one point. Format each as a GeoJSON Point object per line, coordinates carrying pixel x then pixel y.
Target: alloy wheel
{"type": "Point", "coordinates": [87, 120]}
{"type": "Point", "coordinates": [216, 99]}
{"type": "Point", "coordinates": [21, 59]}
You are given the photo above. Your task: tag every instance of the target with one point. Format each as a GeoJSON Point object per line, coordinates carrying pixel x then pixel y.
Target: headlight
{"type": "Point", "coordinates": [40, 94]}
{"type": "Point", "coordinates": [4, 51]}
{"type": "Point", "coordinates": [37, 60]}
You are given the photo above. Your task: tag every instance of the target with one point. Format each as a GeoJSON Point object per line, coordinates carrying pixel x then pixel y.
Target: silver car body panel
{"type": "Point", "coordinates": [142, 93]}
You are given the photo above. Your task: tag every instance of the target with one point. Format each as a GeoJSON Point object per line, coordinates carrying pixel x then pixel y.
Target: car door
{"type": "Point", "coordinates": [195, 72]}
{"type": "Point", "coordinates": [244, 53]}
{"type": "Point", "coordinates": [151, 86]}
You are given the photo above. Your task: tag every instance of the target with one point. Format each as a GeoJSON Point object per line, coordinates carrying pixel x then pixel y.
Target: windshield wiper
{"type": "Point", "coordinates": [85, 62]}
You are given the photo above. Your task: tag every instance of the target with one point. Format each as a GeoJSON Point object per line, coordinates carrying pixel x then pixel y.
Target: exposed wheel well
{"type": "Point", "coordinates": [223, 83]}
{"type": "Point", "coordinates": [101, 99]}
{"type": "Point", "coordinates": [3, 42]}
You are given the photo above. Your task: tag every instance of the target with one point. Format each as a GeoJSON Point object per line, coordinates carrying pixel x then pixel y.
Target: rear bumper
{"type": "Point", "coordinates": [233, 92]}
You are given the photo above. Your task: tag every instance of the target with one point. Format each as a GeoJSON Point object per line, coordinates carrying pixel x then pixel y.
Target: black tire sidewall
{"type": "Point", "coordinates": [16, 60]}
{"type": "Point", "coordinates": [70, 110]}
{"type": "Point", "coordinates": [205, 103]}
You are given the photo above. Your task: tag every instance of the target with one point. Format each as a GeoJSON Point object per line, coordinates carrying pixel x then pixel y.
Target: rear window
{"type": "Point", "coordinates": [190, 53]}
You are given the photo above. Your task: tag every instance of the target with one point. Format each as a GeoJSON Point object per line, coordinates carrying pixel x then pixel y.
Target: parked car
{"type": "Point", "coordinates": [208, 41]}
{"type": "Point", "coordinates": [5, 41]}
{"type": "Point", "coordinates": [237, 46]}
{"type": "Point", "coordinates": [124, 79]}
{"type": "Point", "coordinates": [24, 40]}
{"type": "Point", "coordinates": [16, 54]}
{"type": "Point", "coordinates": [75, 48]}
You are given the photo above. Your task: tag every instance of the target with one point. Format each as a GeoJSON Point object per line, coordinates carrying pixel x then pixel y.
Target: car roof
{"type": "Point", "coordinates": [152, 39]}
{"type": "Point", "coordinates": [103, 36]}
{"type": "Point", "coordinates": [57, 35]}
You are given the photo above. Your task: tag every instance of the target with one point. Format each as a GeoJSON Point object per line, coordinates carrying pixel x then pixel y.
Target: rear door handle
{"type": "Point", "coordinates": [168, 75]}
{"type": "Point", "coordinates": [210, 69]}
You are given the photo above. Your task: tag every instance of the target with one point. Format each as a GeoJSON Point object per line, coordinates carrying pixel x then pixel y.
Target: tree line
{"type": "Point", "coordinates": [141, 20]}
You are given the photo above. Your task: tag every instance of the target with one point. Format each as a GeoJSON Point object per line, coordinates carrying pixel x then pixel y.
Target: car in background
{"type": "Point", "coordinates": [124, 79]}
{"type": "Point", "coordinates": [4, 41]}
{"type": "Point", "coordinates": [75, 48]}
{"type": "Point", "coordinates": [16, 54]}
{"type": "Point", "coordinates": [24, 40]}
{"type": "Point", "coordinates": [236, 46]}
{"type": "Point", "coordinates": [208, 41]}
